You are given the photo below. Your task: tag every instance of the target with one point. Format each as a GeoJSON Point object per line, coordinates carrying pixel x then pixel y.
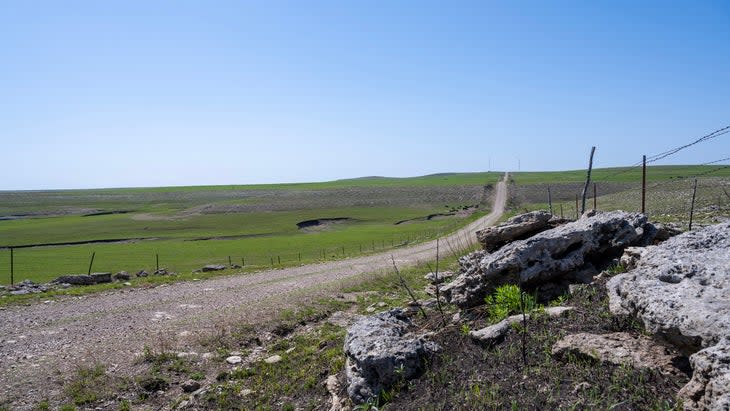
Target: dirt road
{"type": "Point", "coordinates": [41, 342]}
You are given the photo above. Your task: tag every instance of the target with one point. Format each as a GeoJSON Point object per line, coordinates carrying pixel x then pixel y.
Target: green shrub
{"type": "Point", "coordinates": [506, 301]}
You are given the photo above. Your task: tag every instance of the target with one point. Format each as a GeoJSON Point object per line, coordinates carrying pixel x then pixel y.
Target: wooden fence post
{"type": "Point", "coordinates": [550, 200]}
{"type": "Point", "coordinates": [643, 185]}
{"type": "Point", "coordinates": [91, 262]}
{"type": "Point", "coordinates": [12, 267]}
{"type": "Point", "coordinates": [588, 181]}
{"type": "Point", "coordinates": [692, 207]}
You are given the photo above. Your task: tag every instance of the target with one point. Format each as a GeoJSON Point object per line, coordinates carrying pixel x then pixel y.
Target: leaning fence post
{"type": "Point", "coordinates": [91, 262]}
{"type": "Point", "coordinates": [692, 207]}
{"type": "Point", "coordinates": [588, 181]}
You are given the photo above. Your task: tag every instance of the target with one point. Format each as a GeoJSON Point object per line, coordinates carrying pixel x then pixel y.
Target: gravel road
{"type": "Point", "coordinates": [42, 342]}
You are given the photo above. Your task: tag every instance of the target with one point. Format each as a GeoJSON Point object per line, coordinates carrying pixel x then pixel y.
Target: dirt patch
{"type": "Point", "coordinates": [98, 213]}
{"type": "Point", "coordinates": [321, 223]}
{"type": "Point", "coordinates": [460, 213]}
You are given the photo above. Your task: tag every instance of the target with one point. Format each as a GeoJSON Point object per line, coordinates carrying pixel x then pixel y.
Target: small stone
{"type": "Point", "coordinates": [382, 304]}
{"type": "Point", "coordinates": [581, 387]}
{"type": "Point", "coordinates": [142, 273]}
{"type": "Point", "coordinates": [290, 350]}
{"type": "Point", "coordinates": [127, 283]}
{"type": "Point", "coordinates": [122, 276]}
{"type": "Point", "coordinates": [245, 392]}
{"type": "Point", "coordinates": [370, 309]}
{"type": "Point", "coordinates": [190, 386]}
{"type": "Point", "coordinates": [234, 359]}
{"type": "Point", "coordinates": [273, 359]}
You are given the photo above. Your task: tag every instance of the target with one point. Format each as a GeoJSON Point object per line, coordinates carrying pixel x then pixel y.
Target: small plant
{"type": "Point", "coordinates": [465, 329]}
{"type": "Point", "coordinates": [616, 269]}
{"type": "Point", "coordinates": [85, 388]}
{"type": "Point", "coordinates": [506, 301]}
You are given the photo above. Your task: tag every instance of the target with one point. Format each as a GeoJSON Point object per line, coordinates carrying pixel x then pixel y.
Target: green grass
{"type": "Point", "coordinates": [257, 224]}
{"type": "Point", "coordinates": [618, 174]}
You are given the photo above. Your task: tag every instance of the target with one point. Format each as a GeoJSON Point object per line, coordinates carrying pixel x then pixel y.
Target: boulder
{"type": "Point", "coordinates": [709, 388]}
{"type": "Point", "coordinates": [516, 228]}
{"type": "Point", "coordinates": [680, 290]}
{"type": "Point", "coordinates": [381, 352]}
{"type": "Point", "coordinates": [552, 259]}
{"type": "Point", "coordinates": [81, 279]}
{"type": "Point", "coordinates": [213, 267]}
{"type": "Point", "coordinates": [617, 348]}
{"type": "Point", "coordinates": [142, 273]}
{"type": "Point", "coordinates": [122, 276]}
{"type": "Point", "coordinates": [161, 271]}
{"type": "Point", "coordinates": [100, 278]}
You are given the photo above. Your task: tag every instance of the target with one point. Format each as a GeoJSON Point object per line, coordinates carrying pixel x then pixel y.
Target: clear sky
{"type": "Point", "coordinates": [149, 93]}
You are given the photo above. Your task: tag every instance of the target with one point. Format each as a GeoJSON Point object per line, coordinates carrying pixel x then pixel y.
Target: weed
{"type": "Point", "coordinates": [89, 385]}
{"type": "Point", "coordinates": [506, 301]}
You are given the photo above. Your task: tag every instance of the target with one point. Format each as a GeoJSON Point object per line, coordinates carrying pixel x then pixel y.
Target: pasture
{"type": "Point", "coordinates": [55, 232]}
{"type": "Point", "coordinates": [668, 198]}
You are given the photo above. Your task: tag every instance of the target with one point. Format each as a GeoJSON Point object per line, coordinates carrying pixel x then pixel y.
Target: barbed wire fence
{"type": "Point", "coordinates": [673, 198]}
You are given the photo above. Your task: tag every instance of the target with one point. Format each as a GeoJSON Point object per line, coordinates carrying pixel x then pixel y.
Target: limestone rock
{"type": "Point", "coordinates": [213, 267]}
{"type": "Point", "coordinates": [100, 278]}
{"type": "Point", "coordinates": [709, 388]}
{"type": "Point", "coordinates": [516, 228]}
{"type": "Point", "coordinates": [631, 257]}
{"type": "Point", "coordinates": [495, 333]}
{"type": "Point", "coordinates": [81, 279]}
{"type": "Point", "coordinates": [616, 348]}
{"type": "Point", "coordinates": [122, 276]}
{"type": "Point", "coordinates": [234, 359]}
{"type": "Point", "coordinates": [381, 352]}
{"type": "Point", "coordinates": [559, 256]}
{"type": "Point", "coordinates": [333, 387]}
{"type": "Point", "coordinates": [680, 289]}
{"type": "Point", "coordinates": [273, 359]}
{"type": "Point", "coordinates": [442, 276]}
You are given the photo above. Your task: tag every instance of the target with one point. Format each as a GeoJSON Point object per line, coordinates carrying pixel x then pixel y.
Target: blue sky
{"type": "Point", "coordinates": [132, 93]}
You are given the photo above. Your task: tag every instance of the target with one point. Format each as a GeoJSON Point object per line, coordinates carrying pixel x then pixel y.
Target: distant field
{"type": "Point", "coordinates": [669, 191]}
{"type": "Point", "coordinates": [192, 226]}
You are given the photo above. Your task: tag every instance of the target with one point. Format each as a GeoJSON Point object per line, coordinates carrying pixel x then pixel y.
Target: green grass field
{"type": "Point", "coordinates": [669, 191]}
{"type": "Point", "coordinates": [189, 227]}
